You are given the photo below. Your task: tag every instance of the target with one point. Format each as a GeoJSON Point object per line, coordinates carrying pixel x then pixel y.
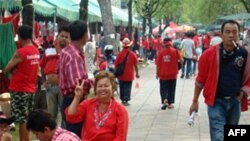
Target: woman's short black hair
{"type": "Point", "coordinates": [25, 32]}
{"type": "Point", "coordinates": [77, 29]}
{"type": "Point", "coordinates": [39, 119]}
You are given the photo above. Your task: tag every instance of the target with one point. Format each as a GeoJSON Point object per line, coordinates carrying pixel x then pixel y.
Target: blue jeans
{"type": "Point", "coordinates": [194, 61]}
{"type": "Point", "coordinates": [225, 111]}
{"type": "Point", "coordinates": [125, 90]}
{"type": "Point", "coordinates": [54, 102]}
{"type": "Point", "coordinates": [167, 90]}
{"type": "Point", "coordinates": [187, 63]}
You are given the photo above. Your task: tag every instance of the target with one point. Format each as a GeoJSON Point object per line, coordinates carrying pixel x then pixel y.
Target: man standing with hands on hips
{"type": "Point", "coordinates": [223, 75]}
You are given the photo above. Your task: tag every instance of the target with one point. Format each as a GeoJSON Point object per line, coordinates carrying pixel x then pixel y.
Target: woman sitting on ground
{"type": "Point", "coordinates": [104, 118]}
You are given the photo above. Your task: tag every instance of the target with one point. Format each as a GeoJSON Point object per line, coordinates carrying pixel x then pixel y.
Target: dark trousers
{"type": "Point", "coordinates": [76, 128]}
{"type": "Point", "coordinates": [40, 100]}
{"type": "Point", "coordinates": [125, 90]}
{"type": "Point", "coordinates": [167, 90]}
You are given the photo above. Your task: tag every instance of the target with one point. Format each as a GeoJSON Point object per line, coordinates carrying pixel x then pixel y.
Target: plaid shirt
{"type": "Point", "coordinates": [64, 135]}
{"type": "Point", "coordinates": [71, 69]}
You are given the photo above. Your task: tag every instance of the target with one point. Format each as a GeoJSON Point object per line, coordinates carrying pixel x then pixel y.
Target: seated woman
{"type": "Point", "coordinates": [4, 127]}
{"type": "Point", "coordinates": [104, 118]}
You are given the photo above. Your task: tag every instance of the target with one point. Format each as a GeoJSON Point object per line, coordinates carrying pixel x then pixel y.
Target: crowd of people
{"type": "Point", "coordinates": [65, 82]}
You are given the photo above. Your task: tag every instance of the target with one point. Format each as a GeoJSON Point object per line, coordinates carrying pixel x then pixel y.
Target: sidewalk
{"type": "Point", "coordinates": [149, 123]}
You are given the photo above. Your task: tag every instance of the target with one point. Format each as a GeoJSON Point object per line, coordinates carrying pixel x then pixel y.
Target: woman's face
{"type": "Point", "coordinates": [104, 89]}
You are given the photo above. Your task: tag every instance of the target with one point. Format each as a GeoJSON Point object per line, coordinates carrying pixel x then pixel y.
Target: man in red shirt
{"type": "Point", "coordinates": [126, 79]}
{"type": "Point", "coordinates": [72, 68]}
{"type": "Point", "coordinates": [24, 67]}
{"type": "Point", "coordinates": [49, 65]}
{"type": "Point", "coordinates": [167, 70]}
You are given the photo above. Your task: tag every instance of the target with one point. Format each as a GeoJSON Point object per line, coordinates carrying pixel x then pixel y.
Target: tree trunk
{"type": "Point", "coordinates": [27, 12]}
{"type": "Point", "coordinates": [107, 22]}
{"type": "Point", "coordinates": [130, 20]}
{"type": "Point", "coordinates": [150, 25]}
{"type": "Point", "coordinates": [84, 10]}
{"type": "Point", "coordinates": [144, 20]}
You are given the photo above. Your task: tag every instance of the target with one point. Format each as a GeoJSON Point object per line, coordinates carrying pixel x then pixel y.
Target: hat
{"type": "Point", "coordinates": [126, 42]}
{"type": "Point", "coordinates": [4, 119]}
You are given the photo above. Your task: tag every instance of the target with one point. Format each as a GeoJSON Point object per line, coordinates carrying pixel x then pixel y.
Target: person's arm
{"type": "Point", "coordinates": [77, 98]}
{"type": "Point", "coordinates": [13, 62]}
{"type": "Point", "coordinates": [136, 71]}
{"type": "Point", "coordinates": [195, 102]}
{"type": "Point", "coordinates": [122, 124]}
{"type": "Point", "coordinates": [76, 111]}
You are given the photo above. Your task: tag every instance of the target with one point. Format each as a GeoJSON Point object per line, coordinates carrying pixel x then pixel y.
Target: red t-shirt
{"type": "Point", "coordinates": [25, 75]}
{"type": "Point", "coordinates": [128, 74]}
{"type": "Point", "coordinates": [167, 63]}
{"type": "Point", "coordinates": [49, 61]}
{"type": "Point", "coordinates": [103, 65]}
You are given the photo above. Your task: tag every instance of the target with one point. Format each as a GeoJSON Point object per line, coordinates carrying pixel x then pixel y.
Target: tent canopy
{"type": "Point", "coordinates": [239, 16]}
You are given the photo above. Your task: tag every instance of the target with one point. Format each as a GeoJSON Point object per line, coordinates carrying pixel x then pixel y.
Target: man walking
{"type": "Point", "coordinates": [167, 70]}
{"type": "Point", "coordinates": [223, 74]}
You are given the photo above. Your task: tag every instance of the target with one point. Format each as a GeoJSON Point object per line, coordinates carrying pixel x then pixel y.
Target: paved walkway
{"type": "Point", "coordinates": [149, 123]}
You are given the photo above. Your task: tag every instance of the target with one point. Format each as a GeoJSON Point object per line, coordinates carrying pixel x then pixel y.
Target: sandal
{"type": "Point", "coordinates": [171, 106]}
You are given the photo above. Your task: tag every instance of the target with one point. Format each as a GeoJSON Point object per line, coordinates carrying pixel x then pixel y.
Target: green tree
{"type": "Point", "coordinates": [246, 4]}
{"type": "Point", "coordinates": [107, 22]}
{"type": "Point", "coordinates": [147, 9]}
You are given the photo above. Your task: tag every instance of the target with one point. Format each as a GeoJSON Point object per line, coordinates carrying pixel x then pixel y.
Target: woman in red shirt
{"type": "Point", "coordinates": [104, 118]}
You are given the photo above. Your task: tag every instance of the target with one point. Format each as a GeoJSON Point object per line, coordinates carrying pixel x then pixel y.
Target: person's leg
{"type": "Point", "coordinates": [127, 90]}
{"type": "Point", "coordinates": [52, 104]}
{"type": "Point", "coordinates": [188, 71]}
{"type": "Point", "coordinates": [171, 94]}
{"type": "Point", "coordinates": [122, 90]}
{"type": "Point", "coordinates": [194, 67]}
{"type": "Point", "coordinates": [183, 68]}
{"type": "Point", "coordinates": [234, 112]}
{"type": "Point", "coordinates": [75, 128]}
{"type": "Point", "coordinates": [164, 93]}
{"type": "Point", "coordinates": [217, 119]}
{"type": "Point", "coordinates": [21, 105]}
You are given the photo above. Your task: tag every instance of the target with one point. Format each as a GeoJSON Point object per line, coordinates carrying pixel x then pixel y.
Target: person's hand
{"type": "Point", "coordinates": [194, 107]}
{"type": "Point", "coordinates": [45, 84]}
{"type": "Point", "coordinates": [79, 89]}
{"type": "Point", "coordinates": [137, 75]}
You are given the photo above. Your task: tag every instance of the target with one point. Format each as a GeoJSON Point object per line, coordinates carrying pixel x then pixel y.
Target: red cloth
{"type": "Point", "coordinates": [167, 63]}
{"type": "Point", "coordinates": [145, 44]}
{"type": "Point", "coordinates": [115, 127]}
{"type": "Point", "coordinates": [50, 64]}
{"type": "Point", "coordinates": [103, 65]}
{"type": "Point", "coordinates": [128, 74]}
{"type": "Point", "coordinates": [64, 135]}
{"type": "Point", "coordinates": [4, 83]}
{"type": "Point", "coordinates": [14, 19]}
{"type": "Point", "coordinates": [37, 29]}
{"type": "Point", "coordinates": [72, 68]}
{"type": "Point", "coordinates": [25, 75]}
